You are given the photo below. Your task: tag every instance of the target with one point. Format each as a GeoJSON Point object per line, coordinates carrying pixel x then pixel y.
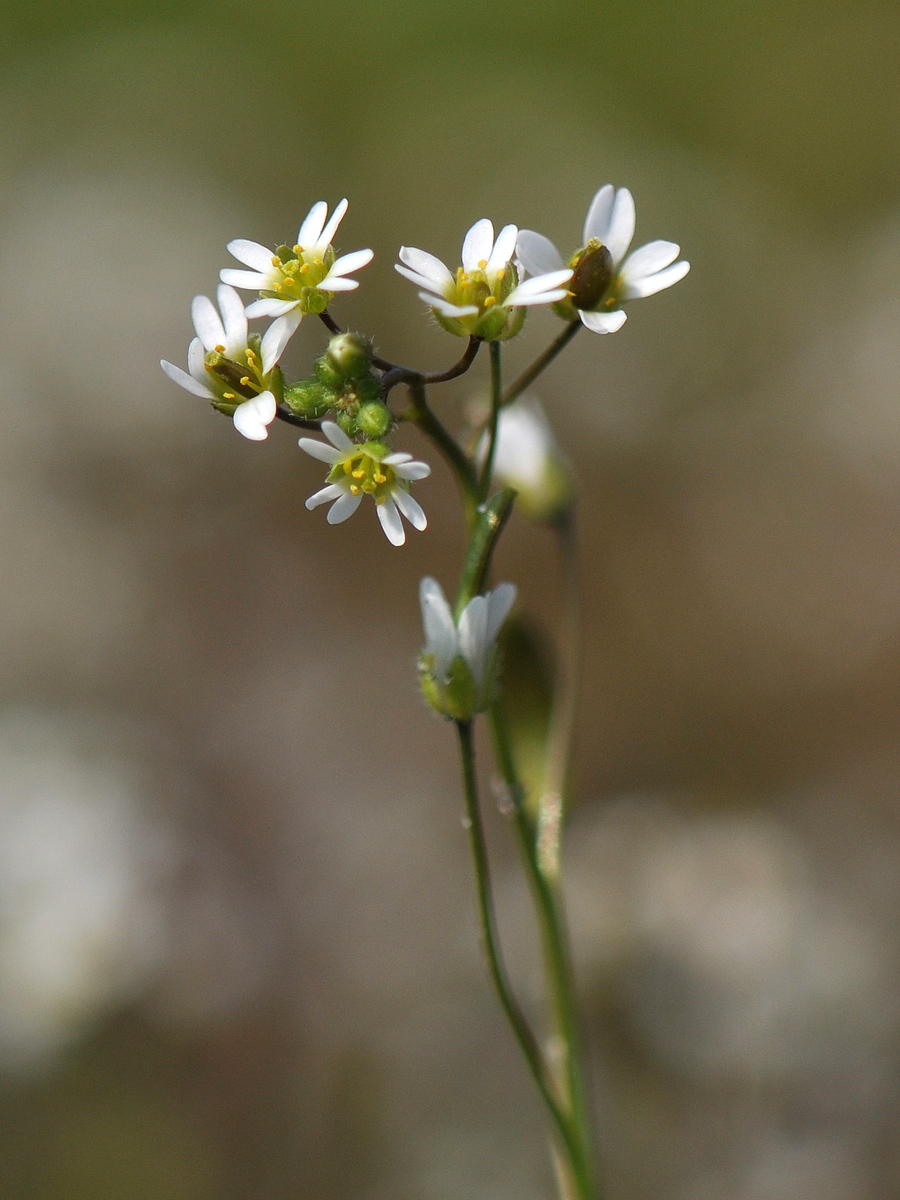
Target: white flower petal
{"type": "Point", "coordinates": [252, 417]}
{"type": "Point", "coordinates": [541, 289]}
{"type": "Point", "coordinates": [277, 337]}
{"type": "Point", "coordinates": [398, 456]}
{"type": "Point", "coordinates": [330, 492]}
{"type": "Point", "coordinates": [345, 506]}
{"type": "Point", "coordinates": [500, 602]}
{"type": "Point", "coordinates": [621, 226]}
{"type": "Point", "coordinates": [410, 508]}
{"type": "Point", "coordinates": [252, 254]}
{"type": "Point", "coordinates": [478, 244]}
{"type": "Point", "coordinates": [537, 254]}
{"type": "Point", "coordinates": [473, 636]}
{"type": "Point", "coordinates": [311, 228]}
{"type": "Point", "coordinates": [652, 284]}
{"type": "Point", "coordinates": [207, 323]}
{"type": "Point", "coordinates": [647, 260]}
{"type": "Point", "coordinates": [351, 262]}
{"type": "Point", "coordinates": [596, 223]}
{"type": "Point", "coordinates": [234, 319]}
{"type": "Point", "coordinates": [197, 362]}
{"type": "Point", "coordinates": [337, 284]}
{"type": "Point", "coordinates": [609, 322]}
{"type": "Point", "coordinates": [449, 310]}
{"type": "Point", "coordinates": [188, 382]}
{"type": "Point", "coordinates": [269, 307]}
{"type": "Point", "coordinates": [336, 436]}
{"type": "Point", "coordinates": [326, 237]}
{"type": "Point", "coordinates": [244, 279]}
{"type": "Point", "coordinates": [325, 454]}
{"type": "Point", "coordinates": [440, 628]}
{"type": "Point", "coordinates": [413, 470]}
{"type": "Point", "coordinates": [504, 248]}
{"type": "Point", "coordinates": [421, 281]}
{"type": "Point", "coordinates": [426, 267]}
{"type": "Point", "coordinates": [391, 523]}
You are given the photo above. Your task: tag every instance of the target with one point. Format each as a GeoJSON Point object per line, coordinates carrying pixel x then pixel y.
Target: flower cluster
{"type": "Point", "coordinates": [486, 299]}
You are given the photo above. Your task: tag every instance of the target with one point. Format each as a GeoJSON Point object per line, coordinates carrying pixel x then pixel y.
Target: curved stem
{"type": "Point", "coordinates": [394, 373]}
{"type": "Point", "coordinates": [530, 374]}
{"type": "Point", "coordinates": [421, 415]}
{"type": "Point", "coordinates": [557, 960]}
{"type": "Point", "coordinates": [514, 1015]}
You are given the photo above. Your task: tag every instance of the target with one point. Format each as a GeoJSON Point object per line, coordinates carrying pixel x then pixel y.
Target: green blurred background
{"type": "Point", "coordinates": [238, 956]}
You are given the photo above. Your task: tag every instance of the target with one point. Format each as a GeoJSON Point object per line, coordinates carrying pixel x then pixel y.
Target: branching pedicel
{"type": "Point", "coordinates": [349, 397]}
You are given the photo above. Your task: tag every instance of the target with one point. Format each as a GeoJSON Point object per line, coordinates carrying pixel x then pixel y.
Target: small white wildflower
{"type": "Point", "coordinates": [295, 281]}
{"type": "Point", "coordinates": [224, 369]}
{"type": "Point", "coordinates": [458, 662]}
{"type": "Point", "coordinates": [367, 469]}
{"type": "Point", "coordinates": [484, 298]}
{"type": "Point", "coordinates": [527, 457]}
{"type": "Point", "coordinates": [602, 282]}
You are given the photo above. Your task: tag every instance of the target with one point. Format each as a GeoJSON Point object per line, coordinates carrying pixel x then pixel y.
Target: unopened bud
{"type": "Point", "coordinates": [374, 419]}
{"type": "Point", "coordinates": [309, 398]}
{"type": "Point", "coordinates": [350, 354]}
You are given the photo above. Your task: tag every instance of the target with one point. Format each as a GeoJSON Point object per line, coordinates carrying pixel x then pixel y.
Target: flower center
{"type": "Point", "coordinates": [363, 474]}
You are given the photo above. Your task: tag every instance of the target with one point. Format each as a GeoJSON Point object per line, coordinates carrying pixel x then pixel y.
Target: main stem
{"type": "Point", "coordinates": [557, 960]}
{"type": "Point", "coordinates": [571, 1146]}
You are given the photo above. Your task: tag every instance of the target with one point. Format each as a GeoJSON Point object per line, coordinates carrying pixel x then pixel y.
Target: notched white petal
{"type": "Point", "coordinates": [652, 284]}
{"type": "Point", "coordinates": [253, 416]}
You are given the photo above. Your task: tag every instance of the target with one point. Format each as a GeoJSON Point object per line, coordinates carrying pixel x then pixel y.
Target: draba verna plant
{"type": "Point", "coordinates": [510, 456]}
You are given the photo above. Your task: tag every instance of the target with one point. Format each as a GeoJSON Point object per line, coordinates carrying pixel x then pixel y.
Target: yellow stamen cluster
{"type": "Point", "coordinates": [363, 473]}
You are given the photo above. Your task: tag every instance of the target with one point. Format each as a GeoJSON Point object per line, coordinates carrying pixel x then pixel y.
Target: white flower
{"type": "Point", "coordinates": [528, 458]}
{"type": "Point", "coordinates": [367, 469]}
{"type": "Point", "coordinates": [298, 280]}
{"type": "Point", "coordinates": [458, 660]}
{"type": "Point", "coordinates": [474, 299]}
{"type": "Point", "coordinates": [223, 369]}
{"type": "Point", "coordinates": [603, 284]}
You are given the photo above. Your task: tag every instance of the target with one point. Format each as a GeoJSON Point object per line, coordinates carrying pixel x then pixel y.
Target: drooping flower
{"type": "Point", "coordinates": [225, 368]}
{"type": "Point", "coordinates": [484, 298]}
{"type": "Point", "coordinates": [295, 280]}
{"type": "Point", "coordinates": [527, 457]}
{"type": "Point", "coordinates": [458, 664]}
{"type": "Point", "coordinates": [367, 469]}
{"type": "Point", "coordinates": [601, 281]}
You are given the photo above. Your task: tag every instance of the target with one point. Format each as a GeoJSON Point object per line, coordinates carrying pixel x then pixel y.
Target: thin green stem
{"type": "Point", "coordinates": [530, 374]}
{"type": "Point", "coordinates": [487, 469]}
{"type": "Point", "coordinates": [557, 960]}
{"type": "Point", "coordinates": [489, 521]}
{"type": "Point", "coordinates": [432, 427]}
{"type": "Point", "coordinates": [514, 1015]}
{"type": "Point", "coordinates": [565, 697]}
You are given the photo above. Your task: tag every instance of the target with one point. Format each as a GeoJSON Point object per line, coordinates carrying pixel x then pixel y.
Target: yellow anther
{"type": "Point", "coordinates": [220, 349]}
{"type": "Point", "coordinates": [251, 357]}
{"type": "Point", "coordinates": [482, 263]}
{"type": "Point", "coordinates": [304, 268]}
{"type": "Point", "coordinates": [501, 272]}
{"type": "Point", "coordinates": [245, 381]}
{"type": "Point", "coordinates": [359, 473]}
{"type": "Point", "coordinates": [491, 300]}
{"type": "Point", "coordinates": [354, 489]}
{"type": "Point", "coordinates": [276, 261]}
{"type": "Point", "coordinates": [228, 396]}
{"type": "Point", "coordinates": [379, 478]}
{"type": "Point", "coordinates": [298, 249]}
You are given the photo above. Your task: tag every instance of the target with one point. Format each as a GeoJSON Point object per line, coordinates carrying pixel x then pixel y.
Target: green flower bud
{"type": "Point", "coordinates": [350, 354]}
{"type": "Point", "coordinates": [374, 419]}
{"type": "Point", "coordinates": [328, 374]}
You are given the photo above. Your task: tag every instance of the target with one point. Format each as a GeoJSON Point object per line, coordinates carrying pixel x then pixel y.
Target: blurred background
{"type": "Point", "coordinates": [238, 956]}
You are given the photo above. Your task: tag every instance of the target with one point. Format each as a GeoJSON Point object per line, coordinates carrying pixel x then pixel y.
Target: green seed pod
{"type": "Point", "coordinates": [309, 398]}
{"type": "Point", "coordinates": [374, 419]}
